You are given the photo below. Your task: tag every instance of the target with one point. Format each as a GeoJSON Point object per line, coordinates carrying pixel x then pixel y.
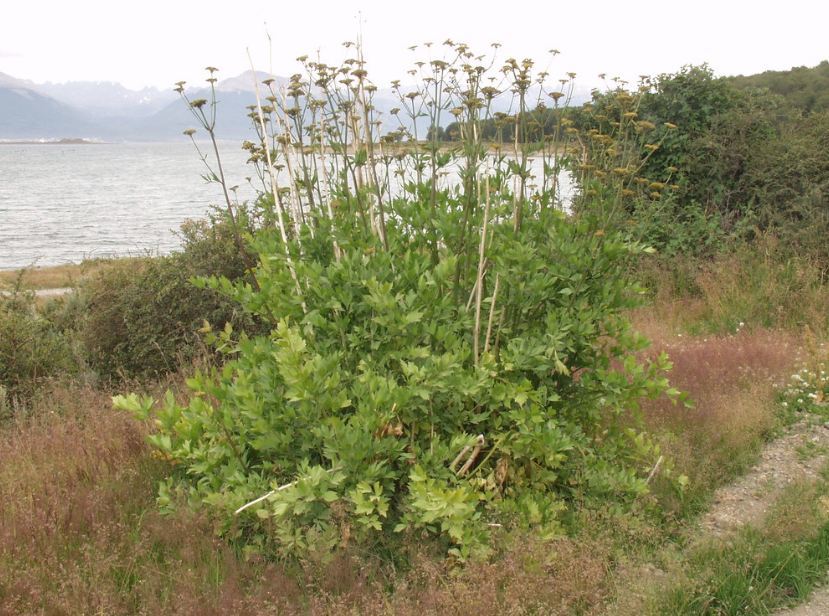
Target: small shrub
{"type": "Point", "coordinates": [32, 348]}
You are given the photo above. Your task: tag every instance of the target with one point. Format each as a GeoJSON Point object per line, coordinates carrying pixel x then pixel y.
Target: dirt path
{"type": "Point", "coordinates": [817, 605]}
{"type": "Point", "coordinates": [46, 292]}
{"type": "Point", "coordinates": [799, 454]}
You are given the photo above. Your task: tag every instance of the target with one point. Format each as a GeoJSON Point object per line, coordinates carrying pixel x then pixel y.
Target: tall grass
{"type": "Point", "coordinates": [730, 380]}
{"type": "Point", "coordinates": [751, 286]}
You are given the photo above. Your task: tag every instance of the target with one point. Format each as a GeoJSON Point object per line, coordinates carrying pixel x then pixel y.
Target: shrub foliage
{"type": "Point", "coordinates": [445, 358]}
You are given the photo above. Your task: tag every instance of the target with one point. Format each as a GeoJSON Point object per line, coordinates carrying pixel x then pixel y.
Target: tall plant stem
{"type": "Point", "coordinates": [491, 312]}
{"type": "Point", "coordinates": [480, 278]}
{"type": "Point", "coordinates": [274, 189]}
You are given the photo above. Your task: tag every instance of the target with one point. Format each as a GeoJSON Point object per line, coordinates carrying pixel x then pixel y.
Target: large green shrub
{"type": "Point", "coordinates": [361, 406]}
{"type": "Point", "coordinates": [445, 358]}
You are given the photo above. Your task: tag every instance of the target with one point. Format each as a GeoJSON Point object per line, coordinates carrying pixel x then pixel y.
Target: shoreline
{"type": "Point", "coordinates": [66, 141]}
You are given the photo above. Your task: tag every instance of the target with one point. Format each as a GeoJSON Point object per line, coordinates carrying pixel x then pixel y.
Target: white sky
{"type": "Point", "coordinates": [153, 42]}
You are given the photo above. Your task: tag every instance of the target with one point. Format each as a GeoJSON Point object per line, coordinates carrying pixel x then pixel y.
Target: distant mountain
{"type": "Point", "coordinates": [109, 111]}
{"type": "Point", "coordinates": [233, 96]}
{"type": "Point", "coordinates": [108, 98]}
{"type": "Point", "coordinates": [27, 114]}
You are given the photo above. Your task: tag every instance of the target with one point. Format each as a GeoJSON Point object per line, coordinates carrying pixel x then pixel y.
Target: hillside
{"type": "Point", "coordinates": [804, 87]}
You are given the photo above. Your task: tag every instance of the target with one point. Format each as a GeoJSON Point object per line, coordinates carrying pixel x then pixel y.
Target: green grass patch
{"type": "Point", "coordinates": [759, 570]}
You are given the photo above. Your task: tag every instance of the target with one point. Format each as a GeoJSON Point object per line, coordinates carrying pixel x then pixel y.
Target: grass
{"type": "Point", "coordinates": [54, 276]}
{"type": "Point", "coordinates": [751, 287]}
{"type": "Point", "coordinates": [730, 381]}
{"type": "Point", "coordinates": [762, 569]}
{"type": "Point", "coordinates": [80, 532]}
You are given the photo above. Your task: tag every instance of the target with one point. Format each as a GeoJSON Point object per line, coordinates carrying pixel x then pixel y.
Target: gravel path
{"type": "Point", "coordinates": [800, 453]}
{"type": "Point", "coordinates": [46, 292]}
{"type": "Point", "coordinates": [817, 605]}
{"type": "Point", "coordinates": [782, 462]}
{"type": "Point", "coordinates": [748, 500]}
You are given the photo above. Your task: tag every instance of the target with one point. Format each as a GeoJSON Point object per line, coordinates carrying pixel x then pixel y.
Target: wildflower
{"type": "Point", "coordinates": [670, 125]}
{"type": "Point", "coordinates": [198, 103]}
{"type": "Point", "coordinates": [189, 132]}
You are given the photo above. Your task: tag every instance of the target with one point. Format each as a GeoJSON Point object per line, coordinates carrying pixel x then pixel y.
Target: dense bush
{"type": "Point", "coordinates": [142, 316]}
{"type": "Point", "coordinates": [720, 164]}
{"type": "Point", "coordinates": [806, 88]}
{"type": "Point", "coordinates": [365, 406]}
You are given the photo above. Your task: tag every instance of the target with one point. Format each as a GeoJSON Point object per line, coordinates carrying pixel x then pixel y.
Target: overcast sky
{"type": "Point", "coordinates": [153, 42]}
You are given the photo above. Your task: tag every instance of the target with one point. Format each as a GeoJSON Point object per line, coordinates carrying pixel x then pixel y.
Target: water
{"type": "Point", "coordinates": [64, 203]}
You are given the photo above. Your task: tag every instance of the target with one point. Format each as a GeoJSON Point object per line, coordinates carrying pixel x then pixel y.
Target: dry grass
{"type": "Point", "coordinates": [754, 285]}
{"type": "Point", "coordinates": [53, 277]}
{"type": "Point", "coordinates": [78, 528]}
{"type": "Point", "coordinates": [730, 380]}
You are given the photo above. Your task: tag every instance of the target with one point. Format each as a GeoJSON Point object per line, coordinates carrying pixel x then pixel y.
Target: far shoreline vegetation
{"type": "Point", "coordinates": [353, 396]}
{"type": "Point", "coordinates": [61, 141]}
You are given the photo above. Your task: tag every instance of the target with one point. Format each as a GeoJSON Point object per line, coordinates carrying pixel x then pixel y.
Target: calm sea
{"type": "Point", "coordinates": [64, 203]}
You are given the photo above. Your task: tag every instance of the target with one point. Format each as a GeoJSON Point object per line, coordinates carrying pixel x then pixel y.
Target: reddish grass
{"type": "Point", "coordinates": [78, 527]}
{"type": "Point", "coordinates": [730, 381]}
